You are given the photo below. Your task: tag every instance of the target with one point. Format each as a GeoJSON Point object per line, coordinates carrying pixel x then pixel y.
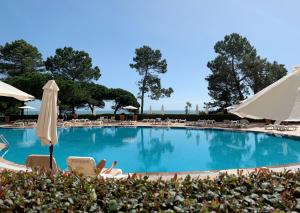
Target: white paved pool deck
{"type": "Point", "coordinates": [256, 127]}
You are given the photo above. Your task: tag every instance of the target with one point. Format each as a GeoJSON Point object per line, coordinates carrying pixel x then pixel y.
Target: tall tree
{"type": "Point", "coordinates": [96, 95]}
{"type": "Point", "coordinates": [122, 98]}
{"type": "Point", "coordinates": [73, 65]}
{"type": "Point", "coordinates": [260, 73]}
{"type": "Point", "coordinates": [149, 64]}
{"type": "Point", "coordinates": [71, 95]}
{"type": "Point", "coordinates": [20, 57]}
{"type": "Point", "coordinates": [233, 51]}
{"type": "Point", "coordinates": [188, 106]}
{"type": "Point", "coordinates": [237, 70]}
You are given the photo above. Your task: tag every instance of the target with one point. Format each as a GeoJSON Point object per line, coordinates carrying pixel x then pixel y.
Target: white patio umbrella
{"type": "Point", "coordinates": [197, 109]}
{"type": "Point", "coordinates": [280, 101]}
{"type": "Point", "coordinates": [10, 91]}
{"type": "Point", "coordinates": [162, 110]}
{"type": "Point", "coordinates": [130, 107]}
{"type": "Point", "coordinates": [150, 109]}
{"type": "Point", "coordinates": [46, 128]}
{"type": "Point", "coordinates": [26, 107]}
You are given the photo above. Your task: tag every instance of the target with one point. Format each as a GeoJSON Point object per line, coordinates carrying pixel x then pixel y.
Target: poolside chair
{"type": "Point", "coordinates": [7, 165]}
{"type": "Point", "coordinates": [97, 123]}
{"type": "Point", "coordinates": [274, 126]}
{"type": "Point", "coordinates": [226, 123]}
{"type": "Point", "coordinates": [181, 120]}
{"type": "Point", "coordinates": [166, 122]}
{"type": "Point", "coordinates": [41, 162]}
{"type": "Point", "coordinates": [112, 119]}
{"type": "Point", "coordinates": [244, 123]}
{"type": "Point", "coordinates": [122, 119]}
{"type": "Point", "coordinates": [133, 121]}
{"type": "Point", "coordinates": [87, 167]}
{"type": "Point", "coordinates": [291, 127]}
{"type": "Point", "coordinates": [31, 124]}
{"type": "Point", "coordinates": [18, 124]}
{"type": "Point", "coordinates": [157, 121]}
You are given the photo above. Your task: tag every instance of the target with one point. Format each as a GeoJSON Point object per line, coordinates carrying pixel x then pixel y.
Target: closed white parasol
{"type": "Point", "coordinates": [46, 128]}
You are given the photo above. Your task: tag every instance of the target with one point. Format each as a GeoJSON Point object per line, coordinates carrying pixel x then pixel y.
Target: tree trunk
{"type": "Point", "coordinates": [143, 92]}
{"type": "Point", "coordinates": [115, 111]}
{"type": "Point", "coordinates": [236, 80]}
{"type": "Point", "coordinates": [91, 107]}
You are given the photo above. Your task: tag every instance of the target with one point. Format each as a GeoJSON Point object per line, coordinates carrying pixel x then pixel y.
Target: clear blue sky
{"type": "Point", "coordinates": [184, 31]}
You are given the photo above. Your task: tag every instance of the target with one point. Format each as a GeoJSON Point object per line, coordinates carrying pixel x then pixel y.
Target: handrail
{"type": "Point", "coordinates": [3, 140]}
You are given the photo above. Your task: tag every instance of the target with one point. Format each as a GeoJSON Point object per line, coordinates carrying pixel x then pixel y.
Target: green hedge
{"type": "Point", "coordinates": [192, 117]}
{"type": "Point", "coordinates": [258, 192]}
{"type": "Point", "coordinates": [216, 117]}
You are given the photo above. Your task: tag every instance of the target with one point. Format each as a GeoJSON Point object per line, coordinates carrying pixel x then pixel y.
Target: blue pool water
{"type": "Point", "coordinates": [144, 149]}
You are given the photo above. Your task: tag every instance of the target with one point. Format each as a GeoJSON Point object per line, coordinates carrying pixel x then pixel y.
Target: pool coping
{"type": "Point", "coordinates": [198, 174]}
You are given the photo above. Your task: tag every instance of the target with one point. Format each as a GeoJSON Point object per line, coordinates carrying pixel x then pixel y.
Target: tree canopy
{"type": "Point", "coordinates": [149, 64]}
{"type": "Point", "coordinates": [238, 71]}
{"type": "Point", "coordinates": [122, 98]}
{"type": "Point", "coordinates": [72, 65]}
{"type": "Point", "coordinates": [20, 57]}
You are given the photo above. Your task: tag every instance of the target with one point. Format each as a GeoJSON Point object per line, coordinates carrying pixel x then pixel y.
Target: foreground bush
{"type": "Point", "coordinates": [260, 192]}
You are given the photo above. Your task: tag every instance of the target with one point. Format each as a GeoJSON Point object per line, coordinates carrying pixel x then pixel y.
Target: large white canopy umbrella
{"type": "Point", "coordinates": [130, 107]}
{"type": "Point", "coordinates": [46, 128]}
{"type": "Point", "coordinates": [280, 101]}
{"type": "Point", "coordinates": [10, 91]}
{"type": "Point", "coordinates": [26, 107]}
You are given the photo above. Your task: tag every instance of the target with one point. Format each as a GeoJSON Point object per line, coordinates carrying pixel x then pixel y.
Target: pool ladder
{"type": "Point", "coordinates": [4, 141]}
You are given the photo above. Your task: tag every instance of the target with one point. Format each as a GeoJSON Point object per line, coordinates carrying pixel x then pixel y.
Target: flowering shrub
{"type": "Point", "coordinates": [260, 192]}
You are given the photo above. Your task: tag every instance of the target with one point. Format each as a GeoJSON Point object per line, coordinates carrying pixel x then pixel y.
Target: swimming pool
{"type": "Point", "coordinates": [147, 149]}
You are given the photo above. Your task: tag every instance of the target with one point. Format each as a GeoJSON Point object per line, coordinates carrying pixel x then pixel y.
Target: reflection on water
{"type": "Point", "coordinates": [151, 150]}
{"type": "Point", "coordinates": [159, 149]}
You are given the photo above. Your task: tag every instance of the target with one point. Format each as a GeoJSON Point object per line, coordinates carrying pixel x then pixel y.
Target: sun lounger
{"type": "Point", "coordinates": [181, 120]}
{"type": "Point", "coordinates": [244, 123]}
{"type": "Point", "coordinates": [87, 166]}
{"type": "Point", "coordinates": [18, 124]}
{"type": "Point", "coordinates": [210, 122]}
{"type": "Point", "coordinates": [201, 123]}
{"type": "Point", "coordinates": [112, 119]}
{"type": "Point", "coordinates": [280, 127]}
{"type": "Point", "coordinates": [97, 123]}
{"type": "Point", "coordinates": [274, 126]}
{"type": "Point", "coordinates": [291, 127]}
{"type": "Point", "coordinates": [31, 124]}
{"type": "Point", "coordinates": [41, 162]}
{"type": "Point", "coordinates": [4, 164]}
{"type": "Point", "coordinates": [166, 122]}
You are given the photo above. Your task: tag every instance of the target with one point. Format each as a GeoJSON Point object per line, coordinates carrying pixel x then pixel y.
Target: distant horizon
{"type": "Point", "coordinates": [185, 32]}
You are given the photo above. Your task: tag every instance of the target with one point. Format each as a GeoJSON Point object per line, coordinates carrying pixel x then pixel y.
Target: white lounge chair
{"type": "Point", "coordinates": [18, 124]}
{"type": "Point", "coordinates": [87, 167]}
{"type": "Point", "coordinates": [291, 127]}
{"type": "Point", "coordinates": [41, 162]}
{"type": "Point", "coordinates": [274, 126]}
{"type": "Point", "coordinates": [4, 164]}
